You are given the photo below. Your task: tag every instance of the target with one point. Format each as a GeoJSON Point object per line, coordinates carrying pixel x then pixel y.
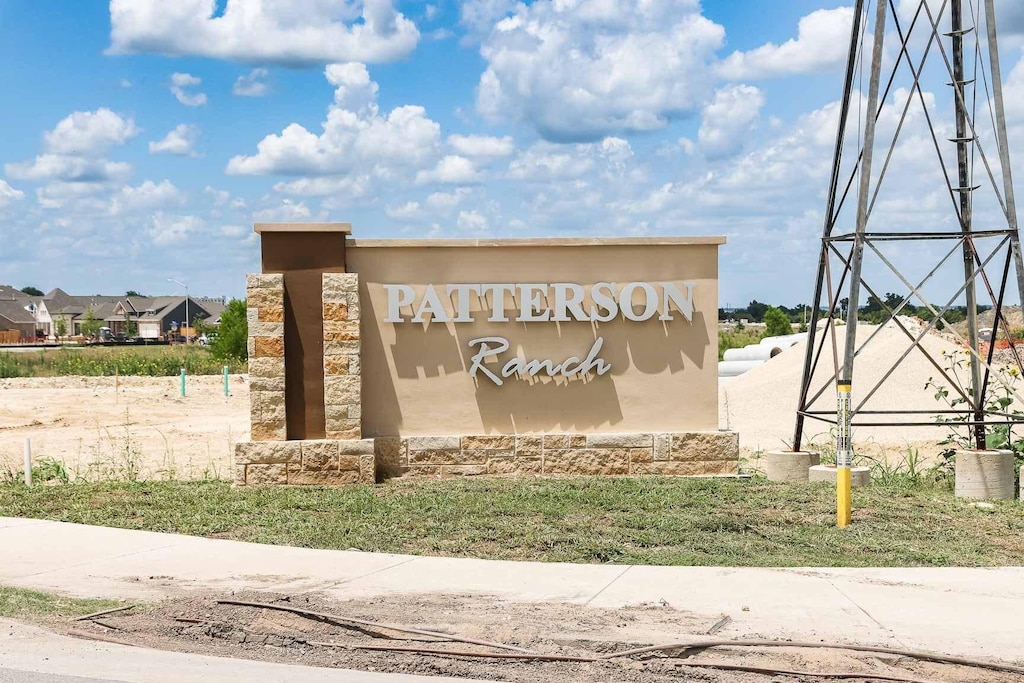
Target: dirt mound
{"type": "Point", "coordinates": [761, 404]}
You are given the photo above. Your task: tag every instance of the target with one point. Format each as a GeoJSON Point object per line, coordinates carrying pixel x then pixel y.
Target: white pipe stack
{"type": "Point", "coordinates": [735, 362]}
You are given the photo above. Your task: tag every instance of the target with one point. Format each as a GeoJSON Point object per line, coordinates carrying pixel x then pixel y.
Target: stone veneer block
{"type": "Point", "coordinates": [268, 347]}
{"type": "Point", "coordinates": [529, 445]}
{"type": "Point", "coordinates": [338, 286]}
{"type": "Point", "coordinates": [587, 461]}
{"type": "Point", "coordinates": [704, 446]}
{"type": "Point", "coordinates": [620, 440]}
{"type": "Point", "coordinates": [335, 312]}
{"type": "Point", "coordinates": [319, 455]}
{"type": "Point", "coordinates": [422, 443]}
{"type": "Point", "coordinates": [515, 465]}
{"type": "Point", "coordinates": [662, 446]}
{"type": "Point", "coordinates": [261, 475]}
{"type": "Point", "coordinates": [356, 447]}
{"type": "Point", "coordinates": [390, 455]}
{"type": "Point", "coordinates": [503, 442]}
{"type": "Point", "coordinates": [463, 470]}
{"type": "Point", "coordinates": [264, 453]}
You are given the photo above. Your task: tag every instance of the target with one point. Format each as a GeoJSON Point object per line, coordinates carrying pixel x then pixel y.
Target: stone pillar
{"type": "Point", "coordinates": [342, 368]}
{"type": "Point", "coordinates": [265, 313]}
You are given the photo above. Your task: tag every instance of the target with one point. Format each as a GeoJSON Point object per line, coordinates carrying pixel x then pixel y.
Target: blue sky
{"type": "Point", "coordinates": [142, 138]}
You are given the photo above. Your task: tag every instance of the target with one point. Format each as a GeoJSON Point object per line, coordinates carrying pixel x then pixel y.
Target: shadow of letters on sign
{"type": "Point", "coordinates": [538, 303]}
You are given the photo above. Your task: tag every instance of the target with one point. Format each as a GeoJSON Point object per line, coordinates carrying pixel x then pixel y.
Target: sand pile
{"type": "Point", "coordinates": [761, 404]}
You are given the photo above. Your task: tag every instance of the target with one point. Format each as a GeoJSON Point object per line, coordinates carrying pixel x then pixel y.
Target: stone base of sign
{"type": "Point", "coordinates": [790, 465]}
{"type": "Point", "coordinates": [305, 463]}
{"type": "Point", "coordinates": [985, 475]}
{"type": "Point", "coordinates": [676, 454]}
{"type": "Point", "coordinates": [338, 463]}
{"type": "Point", "coordinates": [859, 476]}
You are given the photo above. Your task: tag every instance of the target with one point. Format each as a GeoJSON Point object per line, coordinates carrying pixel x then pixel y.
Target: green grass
{"type": "Point", "coordinates": [20, 603]}
{"type": "Point", "coordinates": [659, 521]}
{"type": "Point", "coordinates": [152, 361]}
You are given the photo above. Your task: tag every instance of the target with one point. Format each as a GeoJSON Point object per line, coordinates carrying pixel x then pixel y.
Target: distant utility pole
{"type": "Point", "coordinates": [187, 323]}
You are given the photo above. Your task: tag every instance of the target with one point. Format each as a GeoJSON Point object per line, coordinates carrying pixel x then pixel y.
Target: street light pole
{"type": "Point", "coordinates": [187, 323]}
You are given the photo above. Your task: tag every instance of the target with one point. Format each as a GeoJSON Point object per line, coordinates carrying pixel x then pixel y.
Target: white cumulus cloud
{"type": "Point", "coordinates": [472, 221]}
{"type": "Point", "coordinates": [180, 141]}
{"type": "Point", "coordinates": [482, 145]}
{"type": "Point", "coordinates": [252, 84]}
{"type": "Point", "coordinates": [451, 170]}
{"type": "Point", "coordinates": [145, 197]}
{"type": "Point", "coordinates": [822, 42]}
{"type": "Point", "coordinates": [70, 169]}
{"type": "Point", "coordinates": [166, 229]}
{"type": "Point", "coordinates": [180, 85]}
{"type": "Point", "coordinates": [89, 133]}
{"type": "Point", "coordinates": [264, 31]}
{"type": "Point", "coordinates": [8, 194]}
{"type": "Point", "coordinates": [728, 120]}
{"type": "Point", "coordinates": [578, 70]}
{"type": "Point", "coordinates": [359, 145]}
{"type": "Point", "coordinates": [407, 211]}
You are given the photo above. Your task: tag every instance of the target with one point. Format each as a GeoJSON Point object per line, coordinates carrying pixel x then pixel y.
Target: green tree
{"type": "Point", "coordinates": [132, 292]}
{"type": "Point", "coordinates": [232, 334]}
{"type": "Point", "coordinates": [91, 324]}
{"type": "Point", "coordinates": [32, 291]}
{"type": "Point", "coordinates": [132, 328]}
{"type": "Point", "coordinates": [776, 323]}
{"type": "Point", "coordinates": [60, 327]}
{"type": "Point", "coordinates": [756, 309]}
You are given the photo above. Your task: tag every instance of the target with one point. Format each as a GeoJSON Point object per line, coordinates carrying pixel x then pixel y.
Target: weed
{"type": "Point", "coordinates": [156, 361]}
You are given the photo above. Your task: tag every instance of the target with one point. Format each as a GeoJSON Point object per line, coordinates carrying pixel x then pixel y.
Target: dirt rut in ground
{"type": "Point", "coordinates": [202, 625]}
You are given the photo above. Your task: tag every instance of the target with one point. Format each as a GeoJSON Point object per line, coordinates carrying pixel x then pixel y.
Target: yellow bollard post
{"type": "Point", "coordinates": [844, 455]}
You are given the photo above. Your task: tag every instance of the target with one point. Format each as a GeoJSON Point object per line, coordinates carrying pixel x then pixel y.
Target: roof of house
{"type": "Point", "coordinates": [16, 312]}
{"type": "Point", "coordinates": [8, 293]}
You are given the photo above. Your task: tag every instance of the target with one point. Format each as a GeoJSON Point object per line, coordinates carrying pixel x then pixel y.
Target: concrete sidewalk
{"type": "Point", "coordinates": [969, 612]}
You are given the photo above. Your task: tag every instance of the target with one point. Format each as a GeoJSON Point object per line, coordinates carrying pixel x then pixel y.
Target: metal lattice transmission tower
{"type": "Point", "coordinates": [920, 211]}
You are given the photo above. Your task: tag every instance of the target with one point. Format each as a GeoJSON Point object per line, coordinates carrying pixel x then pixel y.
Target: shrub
{"type": "Point", "coordinates": [776, 323]}
{"type": "Point", "coordinates": [233, 333]}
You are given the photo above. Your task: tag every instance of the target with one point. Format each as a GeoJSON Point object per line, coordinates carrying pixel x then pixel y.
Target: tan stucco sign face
{"type": "Point", "coordinates": [558, 302]}
{"type": "Point", "coordinates": [544, 337]}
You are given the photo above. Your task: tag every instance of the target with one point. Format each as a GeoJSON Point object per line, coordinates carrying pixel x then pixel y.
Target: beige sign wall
{"type": "Point", "coordinates": [416, 375]}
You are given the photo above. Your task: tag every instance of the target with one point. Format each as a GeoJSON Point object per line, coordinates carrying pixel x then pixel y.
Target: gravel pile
{"type": "Point", "coordinates": [761, 404]}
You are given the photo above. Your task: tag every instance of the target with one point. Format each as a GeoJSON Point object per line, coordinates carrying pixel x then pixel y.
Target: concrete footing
{"type": "Point", "coordinates": [859, 476]}
{"type": "Point", "coordinates": [790, 465]}
{"type": "Point", "coordinates": [985, 475]}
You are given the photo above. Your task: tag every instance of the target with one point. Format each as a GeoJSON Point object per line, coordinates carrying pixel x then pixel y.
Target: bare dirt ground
{"type": "Point", "coordinates": [201, 625]}
{"type": "Point", "coordinates": [143, 428]}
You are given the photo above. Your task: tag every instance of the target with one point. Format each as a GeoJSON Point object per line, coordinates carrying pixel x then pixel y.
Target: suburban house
{"type": "Point", "coordinates": [17, 315]}
{"type": "Point", "coordinates": [146, 317]}
{"type": "Point", "coordinates": [158, 316]}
